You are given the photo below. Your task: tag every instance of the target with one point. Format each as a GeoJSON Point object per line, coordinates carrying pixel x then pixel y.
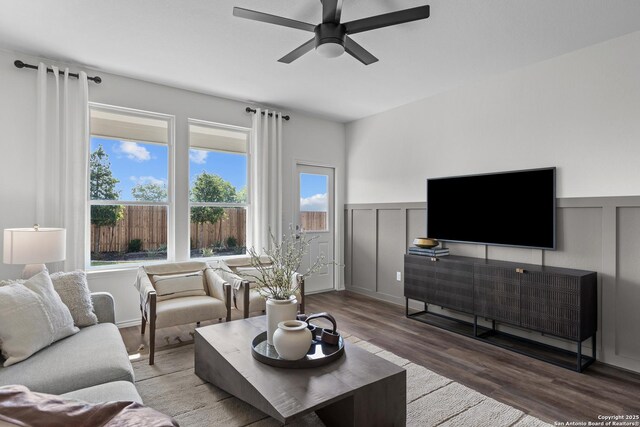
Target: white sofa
{"type": "Point", "coordinates": [91, 365]}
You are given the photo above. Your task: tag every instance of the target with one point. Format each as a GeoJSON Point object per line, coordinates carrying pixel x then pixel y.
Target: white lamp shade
{"type": "Point", "coordinates": [31, 246]}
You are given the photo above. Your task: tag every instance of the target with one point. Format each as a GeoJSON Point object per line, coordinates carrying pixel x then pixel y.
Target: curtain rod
{"type": "Point", "coordinates": [252, 110]}
{"type": "Point", "coordinates": [20, 64]}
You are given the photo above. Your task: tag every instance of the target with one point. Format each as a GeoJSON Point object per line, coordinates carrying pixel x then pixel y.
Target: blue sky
{"type": "Point", "coordinates": [136, 162]}
{"type": "Point", "coordinates": [140, 163]}
{"type": "Point", "coordinates": [313, 192]}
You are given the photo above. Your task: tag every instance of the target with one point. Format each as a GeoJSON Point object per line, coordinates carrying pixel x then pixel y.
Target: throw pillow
{"type": "Point", "coordinates": [179, 285]}
{"type": "Point", "coordinates": [75, 294]}
{"type": "Point", "coordinates": [32, 316]}
{"type": "Point", "coordinates": [20, 406]}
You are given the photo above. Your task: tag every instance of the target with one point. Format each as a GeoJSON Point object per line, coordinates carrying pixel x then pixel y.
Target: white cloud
{"type": "Point", "coordinates": [148, 180]}
{"type": "Point", "coordinates": [317, 202]}
{"type": "Point", "coordinates": [134, 151]}
{"type": "Point", "coordinates": [198, 156]}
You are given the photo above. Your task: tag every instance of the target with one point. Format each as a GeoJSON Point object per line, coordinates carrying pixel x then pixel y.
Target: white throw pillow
{"type": "Point", "coordinates": [32, 316]}
{"type": "Point", "coordinates": [179, 285]}
{"type": "Point", "coordinates": [75, 294]}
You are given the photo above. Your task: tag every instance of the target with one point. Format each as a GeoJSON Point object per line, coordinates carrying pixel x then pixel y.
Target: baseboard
{"type": "Point", "coordinates": [128, 323]}
{"type": "Point", "coordinates": [376, 295]}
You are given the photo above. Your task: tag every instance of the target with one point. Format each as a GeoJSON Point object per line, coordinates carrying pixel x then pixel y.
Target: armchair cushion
{"type": "Point", "coordinates": [250, 273]}
{"type": "Point", "coordinates": [179, 311]}
{"type": "Point", "coordinates": [179, 285]}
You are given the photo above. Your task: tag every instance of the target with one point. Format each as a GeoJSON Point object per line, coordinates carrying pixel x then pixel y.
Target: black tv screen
{"type": "Point", "coordinates": [514, 208]}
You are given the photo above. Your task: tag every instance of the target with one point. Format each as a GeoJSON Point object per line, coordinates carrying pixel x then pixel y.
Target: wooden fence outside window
{"type": "Point", "coordinates": [149, 225]}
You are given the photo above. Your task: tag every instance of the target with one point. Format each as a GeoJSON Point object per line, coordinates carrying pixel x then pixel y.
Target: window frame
{"type": "Point", "coordinates": [169, 204]}
{"type": "Point", "coordinates": [248, 206]}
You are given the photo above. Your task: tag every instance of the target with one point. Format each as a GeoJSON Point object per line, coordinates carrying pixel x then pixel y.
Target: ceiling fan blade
{"type": "Point", "coordinates": [272, 19]}
{"type": "Point", "coordinates": [298, 52]}
{"type": "Point", "coordinates": [358, 52]}
{"type": "Point", "coordinates": [331, 11]}
{"type": "Point", "coordinates": [387, 19]}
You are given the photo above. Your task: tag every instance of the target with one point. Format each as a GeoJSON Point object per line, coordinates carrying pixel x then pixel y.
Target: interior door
{"type": "Point", "coordinates": [315, 216]}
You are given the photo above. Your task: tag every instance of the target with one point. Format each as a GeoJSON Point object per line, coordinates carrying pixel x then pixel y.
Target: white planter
{"type": "Point", "coordinates": [292, 339]}
{"type": "Point", "coordinates": [279, 311]}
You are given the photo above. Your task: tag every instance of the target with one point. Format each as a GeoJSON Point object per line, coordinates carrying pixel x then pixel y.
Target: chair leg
{"type": "Point", "coordinates": [197, 324]}
{"type": "Point", "coordinates": [246, 291]}
{"type": "Point", "coordinates": [143, 324]}
{"type": "Point", "coordinates": [302, 296]}
{"type": "Point", "coordinates": [152, 329]}
{"type": "Point", "coordinates": [152, 342]}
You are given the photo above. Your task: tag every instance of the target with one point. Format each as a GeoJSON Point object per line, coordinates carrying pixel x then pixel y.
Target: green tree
{"type": "Point", "coordinates": [210, 187]}
{"type": "Point", "coordinates": [241, 195]}
{"type": "Point", "coordinates": [149, 192]}
{"type": "Point", "coordinates": [102, 186]}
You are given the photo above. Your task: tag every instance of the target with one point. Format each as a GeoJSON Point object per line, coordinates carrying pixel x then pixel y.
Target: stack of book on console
{"type": "Point", "coordinates": [432, 252]}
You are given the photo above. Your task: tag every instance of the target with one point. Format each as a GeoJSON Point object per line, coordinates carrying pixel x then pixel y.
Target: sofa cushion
{"type": "Point", "coordinates": [180, 311]}
{"type": "Point", "coordinates": [75, 294]}
{"type": "Point", "coordinates": [108, 392]}
{"type": "Point", "coordinates": [179, 285]}
{"type": "Point", "coordinates": [93, 356]}
{"type": "Point", "coordinates": [32, 316]}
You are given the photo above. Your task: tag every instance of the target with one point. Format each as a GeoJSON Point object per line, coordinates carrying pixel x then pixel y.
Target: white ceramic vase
{"type": "Point", "coordinates": [279, 311]}
{"type": "Point", "coordinates": [292, 339]}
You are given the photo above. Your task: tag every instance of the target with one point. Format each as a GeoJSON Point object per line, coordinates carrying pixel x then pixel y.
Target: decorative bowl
{"type": "Point", "coordinates": [425, 242]}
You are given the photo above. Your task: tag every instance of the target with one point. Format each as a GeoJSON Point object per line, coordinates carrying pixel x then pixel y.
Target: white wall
{"type": "Point", "coordinates": [579, 112]}
{"type": "Point", "coordinates": [305, 138]}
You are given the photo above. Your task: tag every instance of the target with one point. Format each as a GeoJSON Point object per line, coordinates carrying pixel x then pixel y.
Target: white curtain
{"type": "Point", "coordinates": [62, 158]}
{"type": "Point", "coordinates": [266, 178]}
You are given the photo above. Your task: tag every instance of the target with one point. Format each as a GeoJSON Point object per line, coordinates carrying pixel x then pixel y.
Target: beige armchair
{"type": "Point", "coordinates": [246, 297]}
{"type": "Point", "coordinates": [174, 294]}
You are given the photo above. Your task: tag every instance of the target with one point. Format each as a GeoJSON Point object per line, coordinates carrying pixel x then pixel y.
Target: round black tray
{"type": "Point", "coordinates": [319, 353]}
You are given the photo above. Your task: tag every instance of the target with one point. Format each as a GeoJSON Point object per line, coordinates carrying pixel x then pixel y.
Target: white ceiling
{"type": "Point", "coordinates": [199, 45]}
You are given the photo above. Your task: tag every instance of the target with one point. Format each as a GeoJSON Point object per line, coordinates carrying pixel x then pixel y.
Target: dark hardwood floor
{"type": "Point", "coordinates": [540, 389]}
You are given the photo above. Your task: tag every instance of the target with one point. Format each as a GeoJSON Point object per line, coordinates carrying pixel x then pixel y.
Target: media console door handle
{"type": "Point", "coordinates": [520, 270]}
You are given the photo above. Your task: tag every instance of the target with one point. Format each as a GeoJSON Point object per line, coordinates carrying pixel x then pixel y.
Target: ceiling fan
{"type": "Point", "coordinates": [331, 36]}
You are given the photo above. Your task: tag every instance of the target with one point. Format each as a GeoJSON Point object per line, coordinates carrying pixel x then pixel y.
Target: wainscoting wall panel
{"type": "Point", "coordinates": [391, 249]}
{"type": "Point", "coordinates": [597, 233]}
{"type": "Point", "coordinates": [363, 249]}
{"type": "Point", "coordinates": [628, 283]}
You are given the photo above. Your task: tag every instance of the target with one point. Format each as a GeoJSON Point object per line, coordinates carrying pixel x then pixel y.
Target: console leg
{"type": "Point", "coordinates": [579, 357]}
{"type": "Point", "coordinates": [493, 325]}
{"type": "Point", "coordinates": [475, 326]}
{"type": "Point", "coordinates": [593, 346]}
{"type": "Point", "coordinates": [406, 307]}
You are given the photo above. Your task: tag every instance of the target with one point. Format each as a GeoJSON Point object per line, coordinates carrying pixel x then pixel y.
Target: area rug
{"type": "Point", "coordinates": [171, 387]}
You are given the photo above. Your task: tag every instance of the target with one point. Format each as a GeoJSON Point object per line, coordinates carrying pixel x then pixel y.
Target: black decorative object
{"type": "Point", "coordinates": [331, 36]}
{"type": "Point", "coordinates": [320, 353]}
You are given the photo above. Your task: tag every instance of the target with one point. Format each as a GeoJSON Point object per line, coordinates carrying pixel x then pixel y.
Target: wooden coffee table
{"type": "Point", "coordinates": [359, 389]}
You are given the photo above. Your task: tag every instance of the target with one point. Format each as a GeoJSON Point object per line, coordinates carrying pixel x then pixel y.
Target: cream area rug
{"type": "Point", "coordinates": [171, 387]}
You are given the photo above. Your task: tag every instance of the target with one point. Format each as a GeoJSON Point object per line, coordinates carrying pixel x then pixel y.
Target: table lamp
{"type": "Point", "coordinates": [33, 247]}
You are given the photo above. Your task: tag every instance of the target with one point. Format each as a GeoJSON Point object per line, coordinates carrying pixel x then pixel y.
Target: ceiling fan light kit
{"type": "Point", "coordinates": [330, 40]}
{"type": "Point", "coordinates": [331, 36]}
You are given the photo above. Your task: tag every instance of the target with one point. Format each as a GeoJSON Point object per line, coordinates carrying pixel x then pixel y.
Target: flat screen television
{"type": "Point", "coordinates": [513, 208]}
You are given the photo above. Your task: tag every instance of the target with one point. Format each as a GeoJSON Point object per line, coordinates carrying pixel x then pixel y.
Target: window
{"type": "Point", "coordinates": [218, 189]}
{"type": "Point", "coordinates": [314, 206]}
{"type": "Point", "coordinates": [129, 186]}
